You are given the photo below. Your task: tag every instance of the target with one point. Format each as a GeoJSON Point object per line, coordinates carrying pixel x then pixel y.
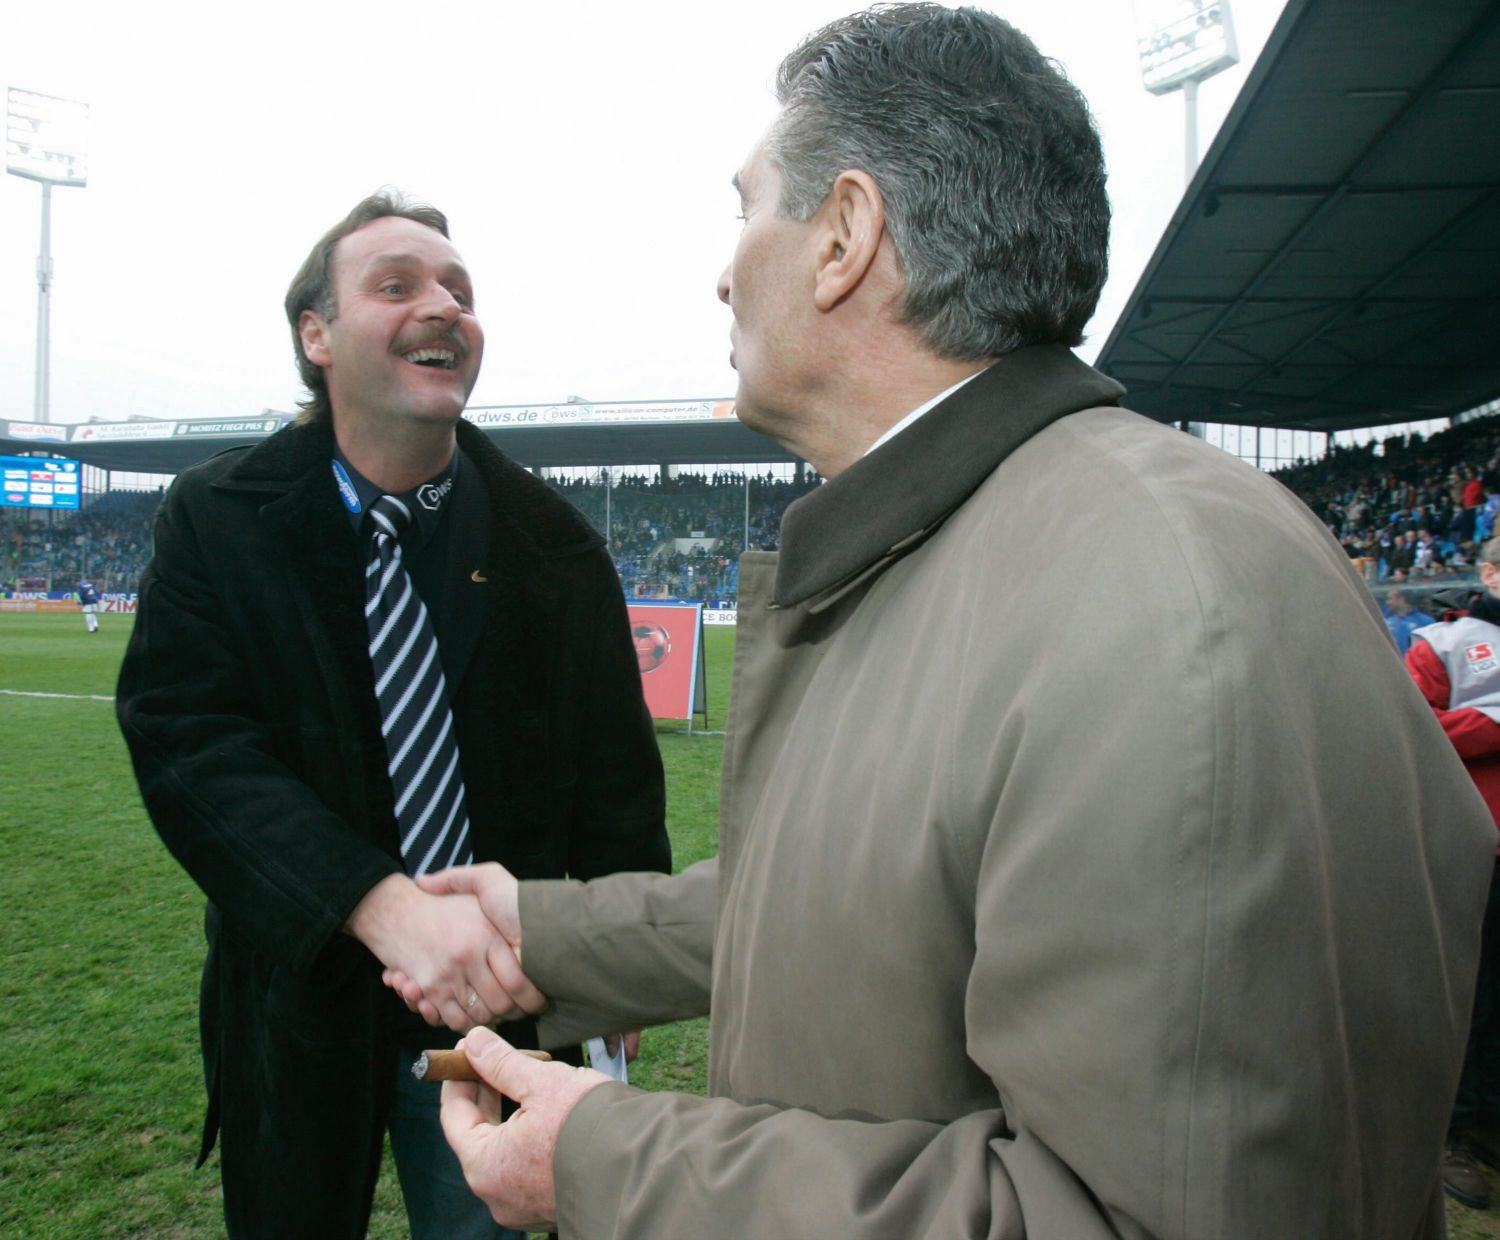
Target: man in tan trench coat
{"type": "Point", "coordinates": [1088, 866]}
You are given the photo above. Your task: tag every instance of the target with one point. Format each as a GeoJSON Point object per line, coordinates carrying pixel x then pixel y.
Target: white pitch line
{"type": "Point", "coordinates": [77, 697]}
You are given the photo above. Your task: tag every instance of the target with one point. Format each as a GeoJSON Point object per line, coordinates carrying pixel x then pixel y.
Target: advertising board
{"type": "Point", "coordinates": [668, 641]}
{"type": "Point", "coordinates": [39, 482]}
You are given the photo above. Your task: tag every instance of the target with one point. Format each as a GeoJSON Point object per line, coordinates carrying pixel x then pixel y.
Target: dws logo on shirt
{"type": "Point", "coordinates": [431, 494]}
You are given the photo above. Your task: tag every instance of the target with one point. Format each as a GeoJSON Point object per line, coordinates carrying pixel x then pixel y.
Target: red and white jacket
{"type": "Point", "coordinates": [1456, 664]}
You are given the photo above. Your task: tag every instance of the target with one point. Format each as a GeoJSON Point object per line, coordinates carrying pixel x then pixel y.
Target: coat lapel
{"type": "Point", "coordinates": [322, 554]}
{"type": "Point", "coordinates": [467, 579]}
{"type": "Point", "coordinates": [326, 590]}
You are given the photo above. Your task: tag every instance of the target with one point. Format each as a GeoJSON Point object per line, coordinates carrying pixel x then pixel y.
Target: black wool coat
{"type": "Point", "coordinates": [247, 701]}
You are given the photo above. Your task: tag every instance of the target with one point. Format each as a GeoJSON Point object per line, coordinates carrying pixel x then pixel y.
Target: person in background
{"type": "Point", "coordinates": [1426, 558]}
{"type": "Point", "coordinates": [1470, 501]}
{"type": "Point", "coordinates": [1484, 524]}
{"type": "Point", "coordinates": [89, 603]}
{"type": "Point", "coordinates": [1456, 664]}
{"type": "Point", "coordinates": [1403, 557]}
{"type": "Point", "coordinates": [1401, 618]}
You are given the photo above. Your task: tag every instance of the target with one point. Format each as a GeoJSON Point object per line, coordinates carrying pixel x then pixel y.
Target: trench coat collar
{"type": "Point", "coordinates": [888, 502]}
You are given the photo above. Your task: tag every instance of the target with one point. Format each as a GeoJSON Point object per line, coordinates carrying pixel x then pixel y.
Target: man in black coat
{"type": "Point", "coordinates": [248, 701]}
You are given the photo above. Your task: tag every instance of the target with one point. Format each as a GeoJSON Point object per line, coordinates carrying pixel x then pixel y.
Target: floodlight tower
{"type": "Point", "coordinates": [45, 141]}
{"type": "Point", "coordinates": [1181, 43]}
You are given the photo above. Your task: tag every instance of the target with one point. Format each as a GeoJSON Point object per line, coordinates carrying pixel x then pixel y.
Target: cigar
{"type": "Point", "coordinates": [455, 1065]}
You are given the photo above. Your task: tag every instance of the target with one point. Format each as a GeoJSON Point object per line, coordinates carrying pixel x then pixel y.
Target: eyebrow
{"type": "Point", "coordinates": [398, 258]}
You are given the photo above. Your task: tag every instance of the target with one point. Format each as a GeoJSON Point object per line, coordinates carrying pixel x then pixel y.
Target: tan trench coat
{"type": "Point", "coordinates": [1089, 867]}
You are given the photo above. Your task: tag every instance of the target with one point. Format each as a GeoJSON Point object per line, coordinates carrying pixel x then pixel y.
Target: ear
{"type": "Point", "coordinates": [314, 333]}
{"type": "Point", "coordinates": [854, 220]}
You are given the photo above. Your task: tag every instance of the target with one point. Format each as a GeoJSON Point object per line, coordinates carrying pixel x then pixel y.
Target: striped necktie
{"type": "Point", "coordinates": [421, 749]}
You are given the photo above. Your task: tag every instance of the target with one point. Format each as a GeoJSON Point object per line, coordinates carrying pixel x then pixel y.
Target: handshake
{"type": "Point", "coordinates": [451, 945]}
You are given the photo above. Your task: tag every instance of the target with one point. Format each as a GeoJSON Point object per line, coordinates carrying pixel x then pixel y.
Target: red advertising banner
{"type": "Point", "coordinates": [669, 649]}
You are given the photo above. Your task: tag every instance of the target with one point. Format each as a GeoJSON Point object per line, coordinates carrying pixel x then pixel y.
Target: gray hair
{"type": "Point", "coordinates": [987, 160]}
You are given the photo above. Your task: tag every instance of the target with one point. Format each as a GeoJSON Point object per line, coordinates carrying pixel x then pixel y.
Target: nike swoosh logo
{"type": "Point", "coordinates": [476, 575]}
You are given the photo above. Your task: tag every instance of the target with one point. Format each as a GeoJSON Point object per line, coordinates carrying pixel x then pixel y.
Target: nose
{"type": "Point", "coordinates": [724, 285]}
{"type": "Point", "coordinates": [440, 304]}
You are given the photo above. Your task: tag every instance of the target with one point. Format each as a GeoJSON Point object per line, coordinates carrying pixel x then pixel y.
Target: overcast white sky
{"type": "Point", "coordinates": [582, 153]}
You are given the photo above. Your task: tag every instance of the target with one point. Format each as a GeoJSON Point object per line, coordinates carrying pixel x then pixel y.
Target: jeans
{"type": "Point", "coordinates": [439, 1205]}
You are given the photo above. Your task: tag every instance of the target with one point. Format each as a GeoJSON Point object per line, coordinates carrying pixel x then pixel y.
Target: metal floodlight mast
{"type": "Point", "coordinates": [1182, 42]}
{"type": "Point", "coordinates": [45, 141]}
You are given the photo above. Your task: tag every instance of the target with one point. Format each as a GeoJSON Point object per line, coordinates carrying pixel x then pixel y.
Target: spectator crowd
{"type": "Point", "coordinates": [108, 542]}
{"type": "Point", "coordinates": [1411, 513]}
{"type": "Point", "coordinates": [1412, 517]}
{"type": "Point", "coordinates": [679, 537]}
{"type": "Point", "coordinates": [1416, 512]}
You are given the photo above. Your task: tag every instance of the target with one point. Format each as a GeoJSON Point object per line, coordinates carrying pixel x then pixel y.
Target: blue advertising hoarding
{"type": "Point", "coordinates": [39, 482]}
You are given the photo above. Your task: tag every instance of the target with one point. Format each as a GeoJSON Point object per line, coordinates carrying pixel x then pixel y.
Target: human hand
{"type": "Point", "coordinates": [497, 891]}
{"type": "Point", "coordinates": [510, 1166]}
{"type": "Point", "coordinates": [632, 1040]}
{"type": "Point", "coordinates": [492, 885]}
{"type": "Point", "coordinates": [444, 951]}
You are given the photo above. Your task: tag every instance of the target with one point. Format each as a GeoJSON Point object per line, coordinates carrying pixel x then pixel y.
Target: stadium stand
{"type": "Point", "coordinates": [1411, 511]}
{"type": "Point", "coordinates": [679, 538]}
{"type": "Point", "coordinates": [109, 542]}
{"type": "Point", "coordinates": [1415, 513]}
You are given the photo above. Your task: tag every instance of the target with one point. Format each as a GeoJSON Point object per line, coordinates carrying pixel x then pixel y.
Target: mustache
{"type": "Point", "coordinates": [431, 340]}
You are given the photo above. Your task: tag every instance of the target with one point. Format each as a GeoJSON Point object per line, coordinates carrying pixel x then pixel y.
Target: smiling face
{"type": "Point", "coordinates": [404, 344]}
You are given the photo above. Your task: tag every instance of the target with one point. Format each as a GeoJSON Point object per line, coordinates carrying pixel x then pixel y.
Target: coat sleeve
{"type": "Point", "coordinates": [765, 1173]}
{"type": "Point", "coordinates": [620, 952]}
{"type": "Point", "coordinates": [634, 949]}
{"type": "Point", "coordinates": [281, 866]}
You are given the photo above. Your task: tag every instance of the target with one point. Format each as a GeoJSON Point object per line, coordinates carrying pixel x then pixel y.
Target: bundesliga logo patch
{"type": "Point", "coordinates": [1481, 658]}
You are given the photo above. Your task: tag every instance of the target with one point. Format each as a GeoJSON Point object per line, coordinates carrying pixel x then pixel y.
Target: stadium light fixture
{"type": "Point", "coordinates": [1181, 43]}
{"type": "Point", "coordinates": [45, 141]}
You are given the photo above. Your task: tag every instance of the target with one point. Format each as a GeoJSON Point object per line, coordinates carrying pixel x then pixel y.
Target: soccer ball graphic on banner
{"type": "Point", "coordinates": [652, 644]}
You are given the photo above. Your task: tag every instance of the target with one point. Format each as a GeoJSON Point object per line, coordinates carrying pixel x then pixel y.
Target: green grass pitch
{"type": "Point", "coordinates": [101, 1090]}
{"type": "Point", "coordinates": [101, 1093]}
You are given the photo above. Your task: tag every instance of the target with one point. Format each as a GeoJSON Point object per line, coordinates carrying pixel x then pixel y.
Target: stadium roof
{"type": "Point", "coordinates": [1335, 262]}
{"type": "Point", "coordinates": [630, 432]}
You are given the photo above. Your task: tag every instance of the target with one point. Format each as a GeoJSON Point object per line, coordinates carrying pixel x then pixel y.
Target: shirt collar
{"type": "Point", "coordinates": [427, 502]}
{"type": "Point", "coordinates": [888, 501]}
{"type": "Point", "coordinates": [892, 431]}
